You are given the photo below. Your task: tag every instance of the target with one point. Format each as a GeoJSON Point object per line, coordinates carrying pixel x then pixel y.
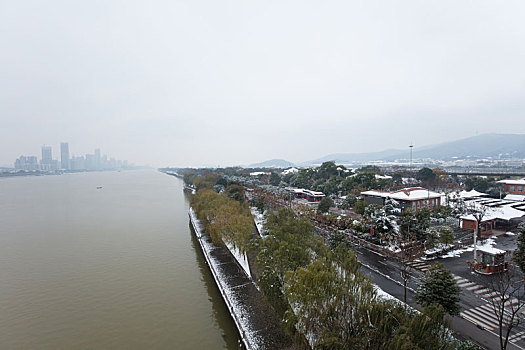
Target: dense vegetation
{"type": "Point", "coordinates": [325, 302]}
{"type": "Point", "coordinates": [224, 218]}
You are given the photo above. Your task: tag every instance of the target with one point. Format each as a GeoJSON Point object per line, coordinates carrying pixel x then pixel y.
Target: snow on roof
{"type": "Point", "coordinates": [490, 250]}
{"type": "Point", "coordinates": [471, 194]}
{"type": "Point", "coordinates": [302, 190]}
{"type": "Point", "coordinates": [505, 212]}
{"type": "Point", "coordinates": [382, 177]}
{"type": "Point", "coordinates": [515, 197]}
{"type": "Point", "coordinates": [471, 217]}
{"type": "Point", "coordinates": [257, 173]}
{"type": "Point", "coordinates": [406, 194]}
{"type": "Point", "coordinates": [314, 193]}
{"type": "Point", "coordinates": [513, 181]}
{"type": "Point", "coordinates": [291, 170]}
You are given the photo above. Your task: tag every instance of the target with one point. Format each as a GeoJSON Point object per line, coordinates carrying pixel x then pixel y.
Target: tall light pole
{"type": "Point", "coordinates": [411, 146]}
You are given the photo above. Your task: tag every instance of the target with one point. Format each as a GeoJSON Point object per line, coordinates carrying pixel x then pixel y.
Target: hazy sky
{"type": "Point", "coordinates": [234, 82]}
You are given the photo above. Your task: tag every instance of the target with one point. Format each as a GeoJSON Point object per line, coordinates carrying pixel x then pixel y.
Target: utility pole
{"type": "Point", "coordinates": [411, 146]}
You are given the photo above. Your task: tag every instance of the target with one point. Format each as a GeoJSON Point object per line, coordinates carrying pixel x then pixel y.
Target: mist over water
{"type": "Point", "coordinates": [109, 268]}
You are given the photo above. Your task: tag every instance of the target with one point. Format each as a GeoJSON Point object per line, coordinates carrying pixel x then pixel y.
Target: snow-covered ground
{"type": "Point", "coordinates": [488, 243]}
{"type": "Point", "coordinates": [241, 258]}
{"type": "Point", "coordinates": [251, 339]}
{"type": "Point", "coordinates": [438, 248]}
{"type": "Point", "coordinates": [384, 295]}
{"type": "Point", "coordinates": [259, 220]}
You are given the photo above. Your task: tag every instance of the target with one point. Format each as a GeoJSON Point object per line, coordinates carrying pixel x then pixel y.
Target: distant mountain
{"type": "Point", "coordinates": [272, 163]}
{"type": "Point", "coordinates": [481, 146]}
{"type": "Point", "coordinates": [354, 157]}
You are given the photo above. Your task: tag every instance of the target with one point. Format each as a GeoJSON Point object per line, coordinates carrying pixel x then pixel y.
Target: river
{"type": "Point", "coordinates": [115, 267]}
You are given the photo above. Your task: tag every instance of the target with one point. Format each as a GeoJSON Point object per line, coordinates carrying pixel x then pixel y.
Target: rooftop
{"type": "Point", "coordinates": [515, 197]}
{"type": "Point", "coordinates": [406, 194]}
{"type": "Point", "coordinates": [513, 181]}
{"type": "Point", "coordinates": [505, 211]}
{"type": "Point", "coordinates": [490, 250]}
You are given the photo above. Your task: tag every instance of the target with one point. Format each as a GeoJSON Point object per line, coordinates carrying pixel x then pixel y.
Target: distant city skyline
{"type": "Point", "coordinates": [94, 161]}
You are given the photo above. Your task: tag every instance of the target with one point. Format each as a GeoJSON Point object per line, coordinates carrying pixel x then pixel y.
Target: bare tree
{"type": "Point", "coordinates": [406, 245]}
{"type": "Point", "coordinates": [508, 303]}
{"type": "Point", "coordinates": [478, 211]}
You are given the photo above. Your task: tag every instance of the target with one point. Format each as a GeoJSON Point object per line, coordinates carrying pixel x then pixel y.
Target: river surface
{"type": "Point", "coordinates": [109, 268]}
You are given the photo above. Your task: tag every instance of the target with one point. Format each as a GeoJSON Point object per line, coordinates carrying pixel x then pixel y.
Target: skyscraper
{"type": "Point", "coordinates": [97, 159]}
{"type": "Point", "coordinates": [64, 155]}
{"type": "Point", "coordinates": [47, 163]}
{"type": "Point", "coordinates": [47, 155]}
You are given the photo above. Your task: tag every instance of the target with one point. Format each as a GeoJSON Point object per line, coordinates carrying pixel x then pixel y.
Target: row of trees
{"type": "Point", "coordinates": [331, 178]}
{"type": "Point", "coordinates": [327, 303]}
{"type": "Point", "coordinates": [224, 218]}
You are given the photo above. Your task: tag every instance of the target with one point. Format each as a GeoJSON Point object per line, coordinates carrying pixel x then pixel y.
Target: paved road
{"type": "Point", "coordinates": [477, 322]}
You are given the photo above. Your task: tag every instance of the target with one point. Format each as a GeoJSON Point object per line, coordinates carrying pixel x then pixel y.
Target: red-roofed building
{"type": "Point", "coordinates": [310, 196]}
{"type": "Point", "coordinates": [516, 186]}
{"type": "Point", "coordinates": [414, 198]}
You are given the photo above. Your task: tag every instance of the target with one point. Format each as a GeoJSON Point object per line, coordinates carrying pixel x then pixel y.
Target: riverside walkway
{"type": "Point", "coordinates": [256, 322]}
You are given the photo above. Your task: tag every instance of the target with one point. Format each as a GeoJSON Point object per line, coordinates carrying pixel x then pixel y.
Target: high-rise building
{"type": "Point", "coordinates": [47, 163]}
{"type": "Point", "coordinates": [64, 156]}
{"type": "Point", "coordinates": [97, 159]}
{"type": "Point", "coordinates": [47, 155]}
{"type": "Point", "coordinates": [27, 163]}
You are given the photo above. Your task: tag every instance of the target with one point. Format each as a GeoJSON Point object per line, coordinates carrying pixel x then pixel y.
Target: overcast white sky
{"type": "Point", "coordinates": [195, 82]}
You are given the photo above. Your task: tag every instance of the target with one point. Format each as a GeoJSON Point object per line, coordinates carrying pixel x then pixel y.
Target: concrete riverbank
{"type": "Point", "coordinates": [256, 322]}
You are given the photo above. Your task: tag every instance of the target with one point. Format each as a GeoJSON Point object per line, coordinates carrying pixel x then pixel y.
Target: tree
{"type": "Point", "coordinates": [235, 192]}
{"type": "Point", "coordinates": [349, 202]}
{"type": "Point", "coordinates": [431, 237]}
{"type": "Point", "coordinates": [325, 205]}
{"type": "Point", "coordinates": [372, 169]}
{"type": "Point", "coordinates": [382, 218]}
{"type": "Point", "coordinates": [441, 177]}
{"type": "Point", "coordinates": [221, 181]}
{"type": "Point", "coordinates": [478, 212]}
{"type": "Point", "coordinates": [326, 170]}
{"type": "Point", "coordinates": [397, 178]}
{"type": "Point", "coordinates": [224, 219]}
{"type": "Point", "coordinates": [519, 253]}
{"type": "Point", "coordinates": [422, 223]}
{"type": "Point", "coordinates": [446, 235]}
{"type": "Point", "coordinates": [408, 221]}
{"type": "Point", "coordinates": [426, 175]}
{"type": "Point", "coordinates": [233, 224]}
{"type": "Point", "coordinates": [200, 183]}
{"type": "Point", "coordinates": [406, 245]}
{"type": "Point", "coordinates": [359, 207]}
{"type": "Point", "coordinates": [329, 300]}
{"type": "Point", "coordinates": [416, 223]}
{"type": "Point", "coordinates": [395, 327]}
{"type": "Point", "coordinates": [275, 179]}
{"type": "Point", "coordinates": [439, 287]}
{"type": "Point", "coordinates": [188, 177]}
{"type": "Point", "coordinates": [508, 304]}
{"type": "Point", "coordinates": [290, 244]}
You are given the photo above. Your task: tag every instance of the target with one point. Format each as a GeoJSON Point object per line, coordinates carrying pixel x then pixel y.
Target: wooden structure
{"type": "Point", "coordinates": [491, 260]}
{"type": "Point", "coordinates": [469, 223]}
